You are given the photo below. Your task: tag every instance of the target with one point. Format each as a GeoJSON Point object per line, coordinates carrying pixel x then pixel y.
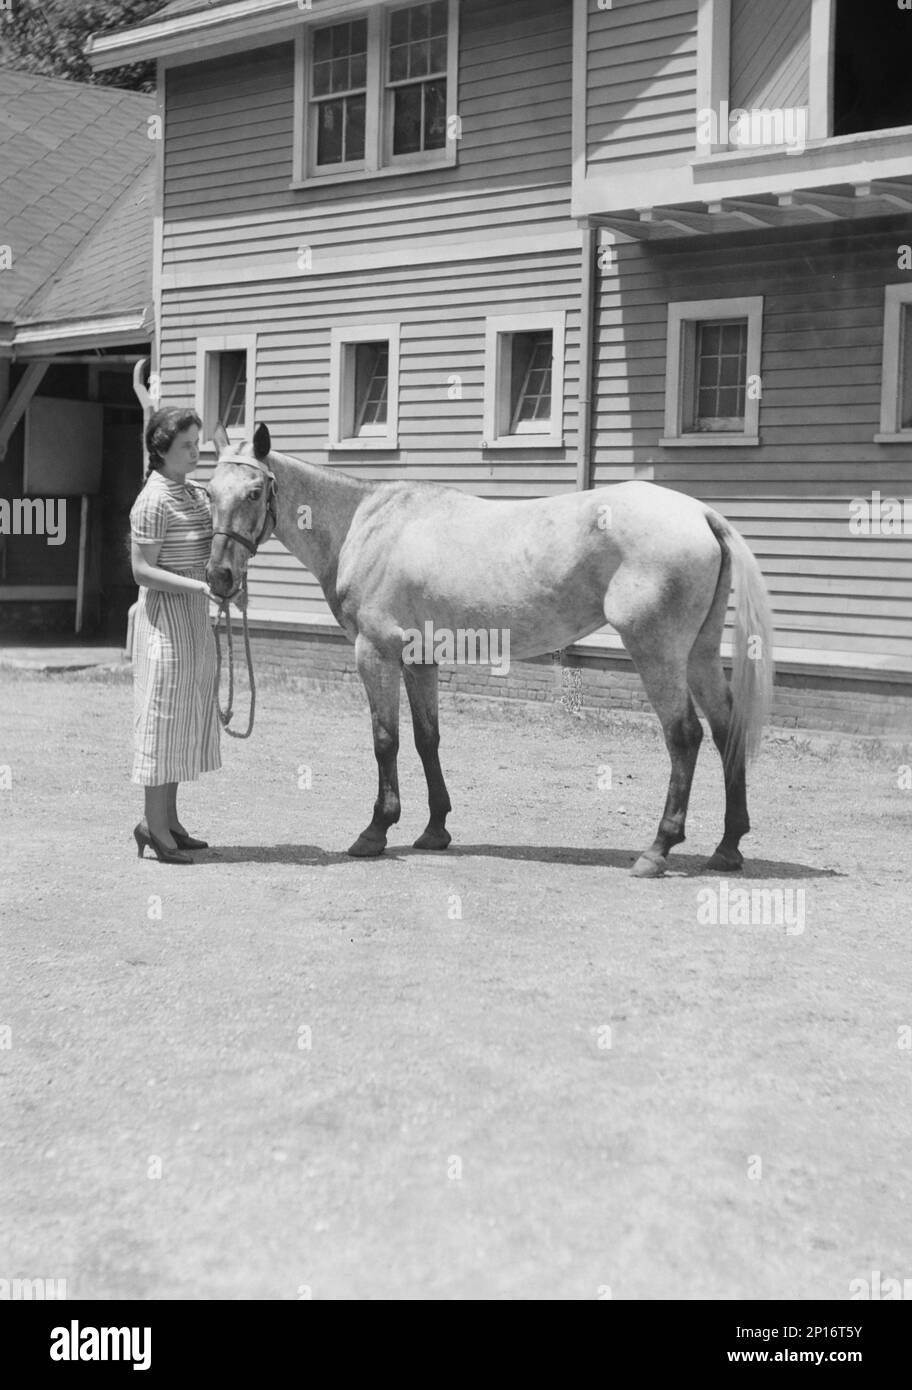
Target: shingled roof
{"type": "Point", "coordinates": [70, 155]}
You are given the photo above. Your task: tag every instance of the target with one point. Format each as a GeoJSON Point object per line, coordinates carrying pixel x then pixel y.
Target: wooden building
{"type": "Point", "coordinates": [524, 248]}
{"type": "Point", "coordinates": [76, 314]}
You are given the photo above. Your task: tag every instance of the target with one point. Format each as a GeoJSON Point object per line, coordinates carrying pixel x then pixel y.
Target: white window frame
{"type": "Point", "coordinates": [206, 398]}
{"type": "Point", "coordinates": [679, 370]}
{"type": "Point", "coordinates": [897, 301]}
{"type": "Point", "coordinates": [378, 158]}
{"type": "Point", "coordinates": [341, 386]}
{"type": "Point", "coordinates": [498, 407]}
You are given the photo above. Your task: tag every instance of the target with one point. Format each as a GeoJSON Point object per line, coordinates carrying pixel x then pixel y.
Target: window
{"type": "Point", "coordinates": [721, 372]}
{"type": "Point", "coordinates": [339, 92]}
{"type": "Point", "coordinates": [225, 373]}
{"type": "Point", "coordinates": [871, 64]}
{"type": "Point", "coordinates": [712, 380]}
{"type": "Point", "coordinates": [364, 383]}
{"type": "Point", "coordinates": [417, 80]}
{"type": "Point", "coordinates": [524, 381]}
{"type": "Point", "coordinates": [896, 383]}
{"type": "Point", "coordinates": [373, 94]}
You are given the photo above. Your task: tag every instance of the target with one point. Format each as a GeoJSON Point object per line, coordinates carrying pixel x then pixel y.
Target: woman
{"type": "Point", "coordinates": [176, 730]}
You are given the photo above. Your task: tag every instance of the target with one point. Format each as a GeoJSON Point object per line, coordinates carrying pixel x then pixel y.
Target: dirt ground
{"type": "Point", "coordinates": [506, 1071]}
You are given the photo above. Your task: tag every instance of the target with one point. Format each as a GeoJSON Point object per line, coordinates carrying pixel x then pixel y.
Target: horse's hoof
{"type": "Point", "coordinates": [366, 849]}
{"type": "Point", "coordinates": [725, 863]}
{"type": "Point", "coordinates": [649, 868]}
{"type": "Point", "coordinates": [433, 839]}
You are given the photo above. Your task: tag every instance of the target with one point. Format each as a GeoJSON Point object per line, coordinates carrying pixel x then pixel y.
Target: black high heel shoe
{"type": "Point", "coordinates": [188, 841]}
{"type": "Point", "coordinates": [162, 853]}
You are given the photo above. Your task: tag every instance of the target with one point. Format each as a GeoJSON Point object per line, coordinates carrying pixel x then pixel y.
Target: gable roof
{"type": "Point", "coordinates": [192, 25]}
{"type": "Point", "coordinates": [108, 276]}
{"type": "Point", "coordinates": [68, 153]}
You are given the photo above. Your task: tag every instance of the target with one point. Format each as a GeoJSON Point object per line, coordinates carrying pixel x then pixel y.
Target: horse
{"type": "Point", "coordinates": [401, 563]}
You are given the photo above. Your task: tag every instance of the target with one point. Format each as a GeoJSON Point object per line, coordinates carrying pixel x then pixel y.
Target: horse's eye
{"type": "Point", "coordinates": [255, 494]}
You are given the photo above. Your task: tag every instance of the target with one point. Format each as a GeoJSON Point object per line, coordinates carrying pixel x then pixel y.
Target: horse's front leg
{"type": "Point", "coordinates": [421, 684]}
{"type": "Point", "coordinates": [380, 674]}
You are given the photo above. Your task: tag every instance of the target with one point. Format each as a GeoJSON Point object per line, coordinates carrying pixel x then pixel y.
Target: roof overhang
{"type": "Point", "coordinates": [801, 207]}
{"type": "Point", "coordinates": [50, 339]}
{"type": "Point", "coordinates": [243, 19]}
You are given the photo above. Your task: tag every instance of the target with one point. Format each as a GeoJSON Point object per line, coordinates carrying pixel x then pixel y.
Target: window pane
{"type": "Point", "coordinates": [371, 384]}
{"type": "Point", "coordinates": [438, 55]}
{"type": "Point", "coordinates": [434, 115]}
{"type": "Point", "coordinates": [407, 120]}
{"type": "Point", "coordinates": [354, 128]}
{"type": "Point", "coordinates": [399, 26]}
{"type": "Point", "coordinates": [721, 371]}
{"type": "Point", "coordinates": [322, 45]}
{"type": "Point", "coordinates": [330, 123]}
{"type": "Point", "coordinates": [709, 371]}
{"type": "Point", "coordinates": [232, 380]}
{"type": "Point", "coordinates": [418, 17]}
{"type": "Point", "coordinates": [530, 377]}
{"type": "Point", "coordinates": [419, 59]}
{"type": "Point", "coordinates": [399, 63]}
{"type": "Point", "coordinates": [905, 370]}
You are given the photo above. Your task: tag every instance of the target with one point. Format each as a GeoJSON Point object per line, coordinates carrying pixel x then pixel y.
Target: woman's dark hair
{"type": "Point", "coordinates": [162, 430]}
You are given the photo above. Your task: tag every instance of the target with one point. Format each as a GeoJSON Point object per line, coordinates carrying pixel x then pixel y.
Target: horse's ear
{"type": "Point", "coordinates": [220, 439]}
{"type": "Point", "coordinates": [262, 443]}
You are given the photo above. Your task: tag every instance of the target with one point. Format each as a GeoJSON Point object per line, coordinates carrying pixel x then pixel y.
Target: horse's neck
{"type": "Point", "coordinates": [314, 512]}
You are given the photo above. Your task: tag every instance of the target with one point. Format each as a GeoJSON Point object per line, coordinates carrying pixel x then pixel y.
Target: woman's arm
{"type": "Point", "coordinates": [144, 555]}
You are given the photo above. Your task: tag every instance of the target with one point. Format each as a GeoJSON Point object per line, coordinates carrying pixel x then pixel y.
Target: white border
{"type": "Point", "coordinates": [340, 339]}
{"type": "Point", "coordinates": [896, 297]}
{"type": "Point", "coordinates": [688, 311]}
{"type": "Point", "coordinates": [498, 327]}
{"type": "Point", "coordinates": [205, 384]}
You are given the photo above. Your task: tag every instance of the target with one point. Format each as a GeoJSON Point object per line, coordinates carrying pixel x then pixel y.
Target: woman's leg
{"type": "Point", "coordinates": [173, 821]}
{"type": "Point", "coordinates": [158, 804]}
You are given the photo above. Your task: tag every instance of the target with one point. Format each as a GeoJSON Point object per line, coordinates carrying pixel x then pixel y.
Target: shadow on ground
{"type": "Point", "coordinates": [682, 865]}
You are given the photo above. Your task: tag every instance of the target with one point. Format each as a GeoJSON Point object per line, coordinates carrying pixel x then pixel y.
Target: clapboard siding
{"type": "Point", "coordinates": [821, 380]}
{"type": "Point", "coordinates": [442, 316]}
{"type": "Point", "coordinates": [770, 54]}
{"type": "Point", "coordinates": [641, 80]}
{"type": "Point", "coordinates": [230, 123]}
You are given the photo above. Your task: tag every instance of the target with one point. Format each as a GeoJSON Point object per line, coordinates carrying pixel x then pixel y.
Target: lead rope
{"type": "Point", "coordinates": [225, 716]}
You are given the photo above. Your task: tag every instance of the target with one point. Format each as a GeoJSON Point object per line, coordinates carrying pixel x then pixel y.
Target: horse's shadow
{"type": "Point", "coordinates": [681, 865]}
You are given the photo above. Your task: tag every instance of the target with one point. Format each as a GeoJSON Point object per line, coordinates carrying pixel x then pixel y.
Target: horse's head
{"type": "Point", "coordinates": [242, 494]}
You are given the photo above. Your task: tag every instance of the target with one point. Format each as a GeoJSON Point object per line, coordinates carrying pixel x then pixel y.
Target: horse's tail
{"type": "Point", "coordinates": [752, 658]}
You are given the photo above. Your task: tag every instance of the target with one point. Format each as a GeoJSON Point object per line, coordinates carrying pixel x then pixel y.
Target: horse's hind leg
{"type": "Point", "coordinates": [421, 688]}
{"type": "Point", "coordinates": [663, 672]}
{"type": "Point", "coordinates": [713, 694]}
{"type": "Point", "coordinates": [381, 675]}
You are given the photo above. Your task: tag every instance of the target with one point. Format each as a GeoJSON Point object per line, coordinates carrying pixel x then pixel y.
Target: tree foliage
{"type": "Point", "coordinates": [49, 37]}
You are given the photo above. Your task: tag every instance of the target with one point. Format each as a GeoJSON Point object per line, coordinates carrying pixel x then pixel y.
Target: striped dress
{"type": "Point", "coordinates": [176, 731]}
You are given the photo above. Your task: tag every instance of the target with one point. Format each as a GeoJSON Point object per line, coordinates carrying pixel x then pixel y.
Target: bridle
{"type": "Point", "coordinates": [270, 519]}
{"type": "Point", "coordinates": [252, 547]}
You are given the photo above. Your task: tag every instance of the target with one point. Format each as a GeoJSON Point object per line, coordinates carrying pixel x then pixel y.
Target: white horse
{"type": "Point", "coordinates": [397, 560]}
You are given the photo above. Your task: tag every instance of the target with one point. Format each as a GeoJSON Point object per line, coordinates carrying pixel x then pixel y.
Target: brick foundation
{"type": "Point", "coordinates": [841, 704]}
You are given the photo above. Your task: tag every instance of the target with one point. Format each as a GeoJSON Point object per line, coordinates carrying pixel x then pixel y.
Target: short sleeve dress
{"type": "Point", "coordinates": [176, 730]}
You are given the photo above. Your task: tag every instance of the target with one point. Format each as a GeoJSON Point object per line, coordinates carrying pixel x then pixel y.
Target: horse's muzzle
{"type": "Point", "coordinates": [221, 581]}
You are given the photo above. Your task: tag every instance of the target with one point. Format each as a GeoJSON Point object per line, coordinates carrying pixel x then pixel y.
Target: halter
{"type": "Point", "coordinates": [270, 518]}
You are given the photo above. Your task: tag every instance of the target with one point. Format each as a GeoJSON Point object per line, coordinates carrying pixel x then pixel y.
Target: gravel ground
{"type": "Point", "coordinates": [506, 1071]}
